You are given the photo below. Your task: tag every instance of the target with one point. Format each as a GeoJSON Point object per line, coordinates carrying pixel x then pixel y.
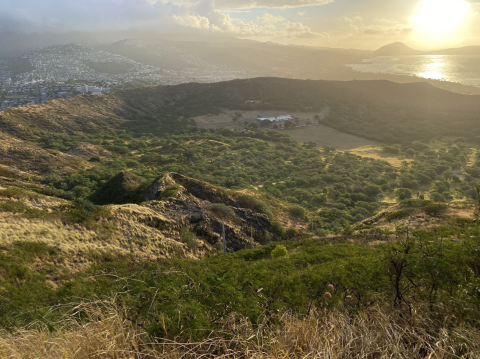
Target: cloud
{"type": "Point", "coordinates": [245, 4]}
{"type": "Point", "coordinates": [90, 15]}
{"type": "Point", "coordinates": [270, 19]}
{"type": "Point", "coordinates": [301, 13]}
{"type": "Point", "coordinates": [351, 19]}
{"type": "Point", "coordinates": [299, 30]}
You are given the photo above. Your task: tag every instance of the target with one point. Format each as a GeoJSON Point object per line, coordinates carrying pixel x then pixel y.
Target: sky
{"type": "Point", "coordinates": [362, 24]}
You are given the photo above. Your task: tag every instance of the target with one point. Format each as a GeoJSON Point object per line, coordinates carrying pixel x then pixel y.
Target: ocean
{"type": "Point", "coordinates": [460, 69]}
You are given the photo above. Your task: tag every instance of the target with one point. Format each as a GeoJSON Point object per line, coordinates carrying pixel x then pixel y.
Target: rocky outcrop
{"type": "Point", "coordinates": [192, 203]}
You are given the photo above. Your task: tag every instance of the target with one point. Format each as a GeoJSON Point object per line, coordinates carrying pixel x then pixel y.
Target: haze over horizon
{"type": "Point", "coordinates": [367, 24]}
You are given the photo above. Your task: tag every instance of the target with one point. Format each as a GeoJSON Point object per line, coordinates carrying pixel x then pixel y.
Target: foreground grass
{"type": "Point", "coordinates": [99, 329]}
{"type": "Point", "coordinates": [415, 297]}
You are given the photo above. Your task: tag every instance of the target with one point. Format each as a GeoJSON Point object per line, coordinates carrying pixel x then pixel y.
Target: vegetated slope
{"type": "Point", "coordinates": [277, 93]}
{"type": "Point", "coordinates": [235, 54]}
{"type": "Point", "coordinates": [365, 298]}
{"type": "Point", "coordinates": [167, 109]}
{"type": "Point", "coordinates": [178, 217]}
{"type": "Point", "coordinates": [416, 215]}
{"type": "Point", "coordinates": [86, 114]}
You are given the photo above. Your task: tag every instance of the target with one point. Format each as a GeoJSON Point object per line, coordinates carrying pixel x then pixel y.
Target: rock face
{"type": "Point", "coordinates": [200, 207]}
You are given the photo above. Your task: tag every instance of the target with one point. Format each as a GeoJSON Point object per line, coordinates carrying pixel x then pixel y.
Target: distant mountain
{"type": "Point", "coordinates": [396, 49]}
{"type": "Point", "coordinates": [466, 51]}
{"type": "Point", "coordinates": [400, 49]}
{"type": "Point", "coordinates": [237, 53]}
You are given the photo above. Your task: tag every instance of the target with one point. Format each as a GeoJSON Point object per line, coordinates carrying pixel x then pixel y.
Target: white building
{"type": "Point", "coordinates": [276, 119]}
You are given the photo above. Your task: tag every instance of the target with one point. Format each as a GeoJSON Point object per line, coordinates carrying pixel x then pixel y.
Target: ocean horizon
{"type": "Point", "coordinates": [459, 69]}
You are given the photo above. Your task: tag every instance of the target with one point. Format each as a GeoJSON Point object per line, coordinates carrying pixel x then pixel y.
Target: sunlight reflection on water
{"type": "Point", "coordinates": [461, 69]}
{"type": "Point", "coordinates": [433, 70]}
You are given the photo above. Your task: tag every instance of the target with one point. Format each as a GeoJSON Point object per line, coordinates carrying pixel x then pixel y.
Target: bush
{"type": "Point", "coordinates": [279, 251]}
{"type": "Point", "coordinates": [435, 208]}
{"type": "Point", "coordinates": [169, 192]}
{"type": "Point", "coordinates": [402, 213]}
{"type": "Point", "coordinates": [222, 210]}
{"type": "Point", "coordinates": [277, 229]}
{"type": "Point", "coordinates": [403, 194]}
{"type": "Point", "coordinates": [85, 213]}
{"type": "Point", "coordinates": [298, 211]}
{"type": "Point", "coordinates": [254, 204]}
{"type": "Point", "coordinates": [437, 197]}
{"type": "Point", "coordinates": [189, 238]}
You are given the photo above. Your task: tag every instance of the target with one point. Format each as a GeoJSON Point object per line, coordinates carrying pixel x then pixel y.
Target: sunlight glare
{"type": "Point", "coordinates": [441, 16]}
{"type": "Point", "coordinates": [434, 69]}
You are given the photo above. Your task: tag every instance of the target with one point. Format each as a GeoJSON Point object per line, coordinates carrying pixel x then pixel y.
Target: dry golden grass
{"type": "Point", "coordinates": [378, 333]}
{"type": "Point", "coordinates": [133, 229]}
{"type": "Point", "coordinates": [375, 153]}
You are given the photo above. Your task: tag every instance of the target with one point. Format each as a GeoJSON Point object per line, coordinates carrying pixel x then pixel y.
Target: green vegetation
{"type": "Point", "coordinates": [288, 192]}
{"type": "Point", "coordinates": [279, 251]}
{"type": "Point", "coordinates": [346, 187]}
{"type": "Point", "coordinates": [222, 210]}
{"type": "Point", "coordinates": [420, 269]}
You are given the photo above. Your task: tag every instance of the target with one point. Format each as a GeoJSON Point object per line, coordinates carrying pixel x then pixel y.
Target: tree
{"type": "Point", "coordinates": [403, 194]}
{"type": "Point", "coordinates": [265, 123]}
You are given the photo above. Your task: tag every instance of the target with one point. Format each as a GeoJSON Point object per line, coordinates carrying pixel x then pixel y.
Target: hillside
{"type": "Point", "coordinates": [113, 207]}
{"type": "Point", "coordinates": [259, 57]}
{"type": "Point", "coordinates": [463, 51]}
{"type": "Point", "coordinates": [396, 49]}
{"type": "Point", "coordinates": [401, 49]}
{"type": "Point", "coordinates": [170, 107]}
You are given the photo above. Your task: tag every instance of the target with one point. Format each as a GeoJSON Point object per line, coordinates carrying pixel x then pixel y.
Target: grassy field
{"type": "Point", "coordinates": [375, 152]}
{"type": "Point", "coordinates": [322, 135]}
{"type": "Point", "coordinates": [327, 136]}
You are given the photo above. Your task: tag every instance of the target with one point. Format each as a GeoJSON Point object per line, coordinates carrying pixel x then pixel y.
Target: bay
{"type": "Point", "coordinates": [460, 69]}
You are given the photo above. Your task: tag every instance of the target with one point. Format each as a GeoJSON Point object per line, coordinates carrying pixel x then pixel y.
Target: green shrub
{"type": "Point", "coordinates": [437, 197]}
{"type": "Point", "coordinates": [403, 193]}
{"type": "Point", "coordinates": [435, 208]}
{"type": "Point", "coordinates": [222, 210]}
{"type": "Point", "coordinates": [13, 207]}
{"type": "Point", "coordinates": [169, 192]}
{"type": "Point", "coordinates": [189, 238]}
{"type": "Point", "coordinates": [298, 211]}
{"type": "Point", "coordinates": [253, 203]}
{"type": "Point", "coordinates": [277, 229]}
{"type": "Point", "coordinates": [279, 251]}
{"type": "Point", "coordinates": [17, 192]}
{"type": "Point", "coordinates": [87, 214]}
{"type": "Point", "coordinates": [402, 213]}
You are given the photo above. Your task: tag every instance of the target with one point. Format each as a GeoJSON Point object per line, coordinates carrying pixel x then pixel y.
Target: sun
{"type": "Point", "coordinates": [440, 16]}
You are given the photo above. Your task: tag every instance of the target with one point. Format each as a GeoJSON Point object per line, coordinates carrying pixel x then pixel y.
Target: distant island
{"type": "Point", "coordinates": [401, 49]}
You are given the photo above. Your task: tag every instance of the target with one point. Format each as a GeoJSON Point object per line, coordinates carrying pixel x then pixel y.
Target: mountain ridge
{"type": "Point", "coordinates": [401, 49]}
